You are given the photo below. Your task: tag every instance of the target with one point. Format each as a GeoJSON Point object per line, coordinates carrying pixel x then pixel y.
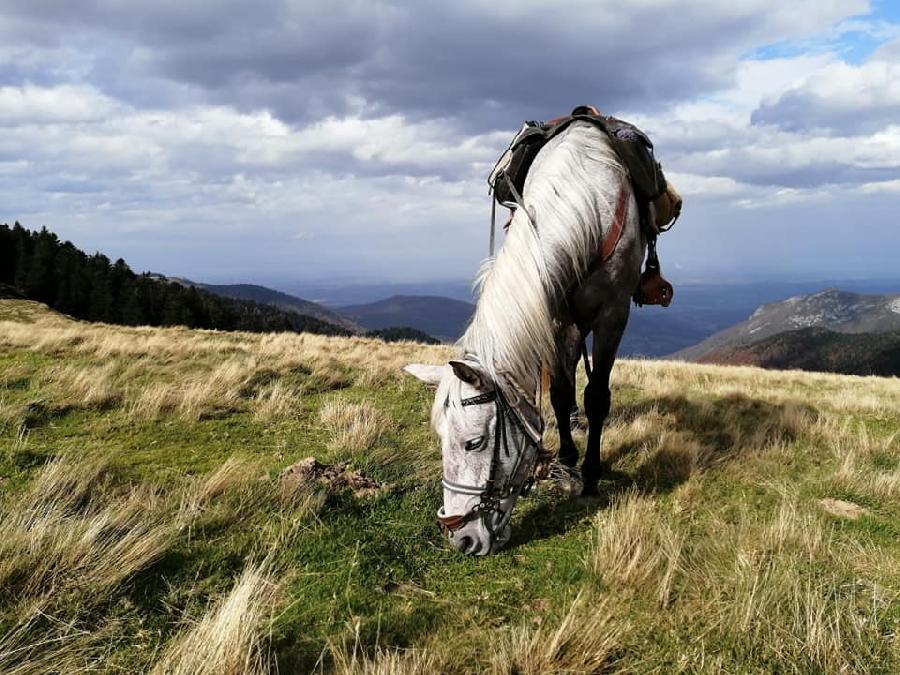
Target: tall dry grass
{"type": "Point", "coordinates": [584, 641]}
{"type": "Point", "coordinates": [377, 362]}
{"type": "Point", "coordinates": [73, 541]}
{"type": "Point", "coordinates": [229, 638]}
{"type": "Point", "coordinates": [66, 544]}
{"type": "Point", "coordinates": [154, 373]}
{"type": "Point", "coordinates": [276, 402]}
{"type": "Point", "coordinates": [350, 658]}
{"type": "Point", "coordinates": [789, 593]}
{"type": "Point", "coordinates": [856, 451]}
{"type": "Point", "coordinates": [91, 386]}
{"type": "Point", "coordinates": [353, 427]}
{"type": "Point", "coordinates": [730, 580]}
{"type": "Point", "coordinates": [633, 546]}
{"type": "Point", "coordinates": [780, 590]}
{"type": "Point", "coordinates": [838, 393]}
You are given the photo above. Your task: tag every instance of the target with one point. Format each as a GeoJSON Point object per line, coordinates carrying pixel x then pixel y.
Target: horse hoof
{"type": "Point", "coordinates": [563, 479]}
{"type": "Point", "coordinates": [590, 490]}
{"type": "Point", "coordinates": [577, 422]}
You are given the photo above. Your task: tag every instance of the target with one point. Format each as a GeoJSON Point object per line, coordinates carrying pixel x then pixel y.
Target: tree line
{"type": "Point", "coordinates": [36, 265]}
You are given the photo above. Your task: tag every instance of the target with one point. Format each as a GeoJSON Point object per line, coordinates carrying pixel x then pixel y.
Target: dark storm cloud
{"type": "Point", "coordinates": [305, 60]}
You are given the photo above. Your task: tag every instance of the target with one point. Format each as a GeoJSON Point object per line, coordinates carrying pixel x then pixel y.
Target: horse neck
{"type": "Point", "coordinates": [571, 191]}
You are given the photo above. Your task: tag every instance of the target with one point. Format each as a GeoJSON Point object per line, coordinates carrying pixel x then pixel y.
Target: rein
{"type": "Point", "coordinates": [491, 494]}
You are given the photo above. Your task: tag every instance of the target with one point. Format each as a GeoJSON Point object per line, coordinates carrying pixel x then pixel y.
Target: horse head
{"type": "Point", "coordinates": [490, 440]}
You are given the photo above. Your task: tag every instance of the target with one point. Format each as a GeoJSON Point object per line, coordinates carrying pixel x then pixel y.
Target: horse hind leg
{"type": "Point", "coordinates": [608, 329]}
{"type": "Point", "coordinates": [576, 419]}
{"type": "Point", "coordinates": [562, 392]}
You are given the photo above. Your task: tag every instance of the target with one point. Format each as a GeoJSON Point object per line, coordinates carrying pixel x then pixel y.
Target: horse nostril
{"type": "Point", "coordinates": [468, 545]}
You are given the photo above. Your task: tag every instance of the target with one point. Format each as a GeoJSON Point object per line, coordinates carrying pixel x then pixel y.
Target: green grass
{"type": "Point", "coordinates": [716, 470]}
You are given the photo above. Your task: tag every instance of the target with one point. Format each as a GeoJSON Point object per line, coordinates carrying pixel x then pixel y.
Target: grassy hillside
{"type": "Point", "coordinates": [752, 523]}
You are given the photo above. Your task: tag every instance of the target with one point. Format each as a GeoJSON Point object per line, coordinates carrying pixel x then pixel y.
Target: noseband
{"type": "Point", "coordinates": [491, 493]}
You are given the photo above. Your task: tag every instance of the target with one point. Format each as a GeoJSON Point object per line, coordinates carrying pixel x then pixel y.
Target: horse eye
{"type": "Point", "coordinates": [474, 444]}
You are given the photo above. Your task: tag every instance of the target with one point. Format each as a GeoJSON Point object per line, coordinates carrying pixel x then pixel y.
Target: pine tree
{"type": "Point", "coordinates": [38, 266]}
{"type": "Point", "coordinates": [39, 281]}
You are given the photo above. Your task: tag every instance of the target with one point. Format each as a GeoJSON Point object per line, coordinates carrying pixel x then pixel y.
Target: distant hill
{"type": "Point", "coordinates": [651, 331]}
{"type": "Point", "coordinates": [283, 301]}
{"type": "Point", "coordinates": [834, 310]}
{"type": "Point", "coordinates": [444, 318]}
{"type": "Point", "coordinates": [818, 349]}
{"type": "Point", "coordinates": [655, 331]}
{"type": "Point", "coordinates": [36, 265]}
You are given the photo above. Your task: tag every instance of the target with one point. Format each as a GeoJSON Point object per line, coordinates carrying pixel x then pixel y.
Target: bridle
{"type": "Point", "coordinates": [491, 493]}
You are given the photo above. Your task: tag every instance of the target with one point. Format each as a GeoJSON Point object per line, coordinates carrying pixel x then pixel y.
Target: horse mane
{"type": "Point", "coordinates": [571, 192]}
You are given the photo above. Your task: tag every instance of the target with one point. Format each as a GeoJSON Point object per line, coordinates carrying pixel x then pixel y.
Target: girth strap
{"type": "Point", "coordinates": [611, 240]}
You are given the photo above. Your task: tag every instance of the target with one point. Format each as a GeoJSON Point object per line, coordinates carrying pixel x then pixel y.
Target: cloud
{"type": "Point", "coordinates": [470, 61]}
{"type": "Point", "coordinates": [64, 103]}
{"type": "Point", "coordinates": [306, 138]}
{"type": "Point", "coordinates": [839, 99]}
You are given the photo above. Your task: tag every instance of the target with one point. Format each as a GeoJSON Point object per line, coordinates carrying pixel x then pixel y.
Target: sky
{"type": "Point", "coordinates": [276, 141]}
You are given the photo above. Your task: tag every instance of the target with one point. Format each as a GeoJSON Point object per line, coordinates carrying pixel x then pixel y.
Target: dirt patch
{"type": "Point", "coordinates": [842, 509]}
{"type": "Point", "coordinates": [333, 478]}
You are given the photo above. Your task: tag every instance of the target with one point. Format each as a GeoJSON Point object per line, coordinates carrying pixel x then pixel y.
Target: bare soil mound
{"type": "Point", "coordinates": [332, 477]}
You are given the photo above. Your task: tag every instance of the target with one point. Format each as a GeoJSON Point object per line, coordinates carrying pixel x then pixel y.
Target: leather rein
{"type": "Point", "coordinates": [491, 493]}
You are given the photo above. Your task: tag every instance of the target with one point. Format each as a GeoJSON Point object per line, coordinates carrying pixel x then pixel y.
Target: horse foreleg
{"type": "Point", "coordinates": [608, 328]}
{"type": "Point", "coordinates": [562, 391]}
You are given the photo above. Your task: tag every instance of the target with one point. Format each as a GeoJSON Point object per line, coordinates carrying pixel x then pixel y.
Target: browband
{"type": "Point", "coordinates": [486, 397]}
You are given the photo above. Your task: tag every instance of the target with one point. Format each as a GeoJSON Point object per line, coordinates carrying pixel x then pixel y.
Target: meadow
{"type": "Point", "coordinates": [751, 522]}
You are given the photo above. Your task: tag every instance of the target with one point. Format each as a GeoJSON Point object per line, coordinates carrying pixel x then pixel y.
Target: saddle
{"type": "Point", "coordinates": [648, 182]}
{"type": "Point", "coordinates": [631, 144]}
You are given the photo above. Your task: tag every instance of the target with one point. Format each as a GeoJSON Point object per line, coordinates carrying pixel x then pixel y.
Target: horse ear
{"type": "Point", "coordinates": [430, 375]}
{"type": "Point", "coordinates": [467, 373]}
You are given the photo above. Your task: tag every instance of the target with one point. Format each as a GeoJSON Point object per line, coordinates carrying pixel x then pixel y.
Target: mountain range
{"type": "Point", "coordinates": [830, 330]}
{"type": "Point", "coordinates": [444, 318]}
{"type": "Point", "coordinates": [832, 309]}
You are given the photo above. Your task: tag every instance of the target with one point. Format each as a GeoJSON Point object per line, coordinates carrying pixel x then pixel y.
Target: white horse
{"type": "Point", "coordinates": [550, 284]}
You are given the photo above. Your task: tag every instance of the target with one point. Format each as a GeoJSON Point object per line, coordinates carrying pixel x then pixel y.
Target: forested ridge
{"type": "Point", "coordinates": [36, 265]}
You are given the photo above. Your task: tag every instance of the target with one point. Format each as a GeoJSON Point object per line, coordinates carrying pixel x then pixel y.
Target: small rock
{"type": "Point", "coordinates": [842, 509]}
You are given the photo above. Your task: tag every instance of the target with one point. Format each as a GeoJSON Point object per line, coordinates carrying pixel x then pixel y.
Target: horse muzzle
{"type": "Point", "coordinates": [470, 534]}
